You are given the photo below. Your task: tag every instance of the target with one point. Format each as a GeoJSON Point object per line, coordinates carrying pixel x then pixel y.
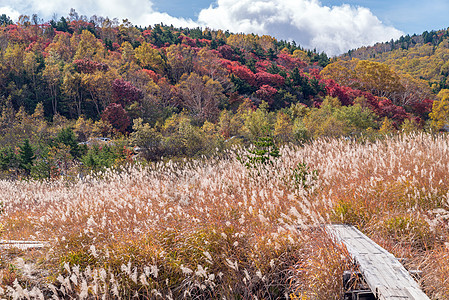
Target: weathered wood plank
{"type": "Point", "coordinates": [384, 274]}
{"type": "Point", "coordinates": [23, 245]}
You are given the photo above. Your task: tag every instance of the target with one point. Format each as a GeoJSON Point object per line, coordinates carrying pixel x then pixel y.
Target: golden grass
{"type": "Point", "coordinates": [214, 229]}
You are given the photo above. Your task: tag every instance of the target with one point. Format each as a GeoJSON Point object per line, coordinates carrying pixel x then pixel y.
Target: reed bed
{"type": "Point", "coordinates": [215, 229]}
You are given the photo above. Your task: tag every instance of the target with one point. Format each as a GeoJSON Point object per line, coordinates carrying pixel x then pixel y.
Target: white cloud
{"type": "Point", "coordinates": [10, 12]}
{"type": "Point", "coordinates": [139, 12]}
{"type": "Point", "coordinates": [331, 29]}
{"type": "Point", "coordinates": [157, 18]}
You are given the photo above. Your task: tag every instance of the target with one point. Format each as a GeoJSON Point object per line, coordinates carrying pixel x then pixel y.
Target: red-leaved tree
{"type": "Point", "coordinates": [89, 67]}
{"type": "Point", "coordinates": [263, 78]}
{"type": "Point", "coordinates": [226, 52]}
{"type": "Point", "coordinates": [289, 62]}
{"type": "Point", "coordinates": [243, 73]}
{"type": "Point", "coordinates": [124, 92]}
{"type": "Point", "coordinates": [394, 112]}
{"type": "Point", "coordinates": [266, 92]}
{"type": "Point", "coordinates": [116, 116]}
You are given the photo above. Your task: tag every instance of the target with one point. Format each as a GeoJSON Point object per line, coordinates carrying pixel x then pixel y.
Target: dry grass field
{"type": "Point", "coordinates": [214, 229]}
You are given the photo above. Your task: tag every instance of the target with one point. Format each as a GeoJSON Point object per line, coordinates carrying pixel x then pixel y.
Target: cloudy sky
{"type": "Point", "coordinates": [333, 26]}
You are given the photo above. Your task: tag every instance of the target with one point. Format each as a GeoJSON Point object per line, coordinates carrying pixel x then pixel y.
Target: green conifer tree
{"type": "Point", "coordinates": [26, 157]}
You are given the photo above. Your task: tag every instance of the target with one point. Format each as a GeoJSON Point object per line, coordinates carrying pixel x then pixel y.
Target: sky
{"type": "Point", "coordinates": [332, 26]}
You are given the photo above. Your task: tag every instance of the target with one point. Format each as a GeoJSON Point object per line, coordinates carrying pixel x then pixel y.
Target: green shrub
{"type": "Point", "coordinates": [67, 137]}
{"type": "Point", "coordinates": [262, 153]}
{"type": "Point", "coordinates": [303, 177]}
{"type": "Point", "coordinates": [300, 132]}
{"type": "Point", "coordinates": [100, 157]}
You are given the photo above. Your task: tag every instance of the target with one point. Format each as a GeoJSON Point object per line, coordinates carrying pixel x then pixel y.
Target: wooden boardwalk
{"type": "Point", "coordinates": [23, 245]}
{"type": "Point", "coordinates": [384, 274]}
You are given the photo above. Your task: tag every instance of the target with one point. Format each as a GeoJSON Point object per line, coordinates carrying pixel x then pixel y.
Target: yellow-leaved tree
{"type": "Point", "coordinates": [376, 78]}
{"type": "Point", "coordinates": [440, 111]}
{"type": "Point", "coordinates": [150, 58]}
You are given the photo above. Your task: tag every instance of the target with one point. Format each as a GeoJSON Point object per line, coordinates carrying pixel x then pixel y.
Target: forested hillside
{"type": "Point", "coordinates": [177, 92]}
{"type": "Point", "coordinates": [424, 56]}
{"type": "Point", "coordinates": [81, 67]}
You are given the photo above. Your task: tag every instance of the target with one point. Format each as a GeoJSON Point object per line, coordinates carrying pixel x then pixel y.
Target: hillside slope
{"type": "Point", "coordinates": [424, 56]}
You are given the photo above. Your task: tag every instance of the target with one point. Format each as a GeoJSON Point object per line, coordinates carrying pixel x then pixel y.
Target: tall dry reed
{"type": "Point", "coordinates": [213, 228]}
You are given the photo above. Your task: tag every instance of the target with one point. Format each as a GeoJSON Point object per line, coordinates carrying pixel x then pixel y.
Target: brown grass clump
{"type": "Point", "coordinates": [213, 228]}
{"type": "Point", "coordinates": [318, 273]}
{"type": "Point", "coordinates": [436, 272]}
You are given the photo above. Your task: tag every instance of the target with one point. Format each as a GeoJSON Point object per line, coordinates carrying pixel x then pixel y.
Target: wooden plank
{"type": "Point", "coordinates": [23, 245]}
{"type": "Point", "coordinates": [384, 274]}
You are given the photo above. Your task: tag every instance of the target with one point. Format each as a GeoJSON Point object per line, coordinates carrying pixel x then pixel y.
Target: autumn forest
{"type": "Point", "coordinates": [179, 92]}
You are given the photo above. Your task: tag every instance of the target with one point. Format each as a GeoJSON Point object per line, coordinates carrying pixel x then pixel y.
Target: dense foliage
{"type": "Point", "coordinates": [176, 92]}
{"type": "Point", "coordinates": [424, 56]}
{"type": "Point", "coordinates": [77, 66]}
